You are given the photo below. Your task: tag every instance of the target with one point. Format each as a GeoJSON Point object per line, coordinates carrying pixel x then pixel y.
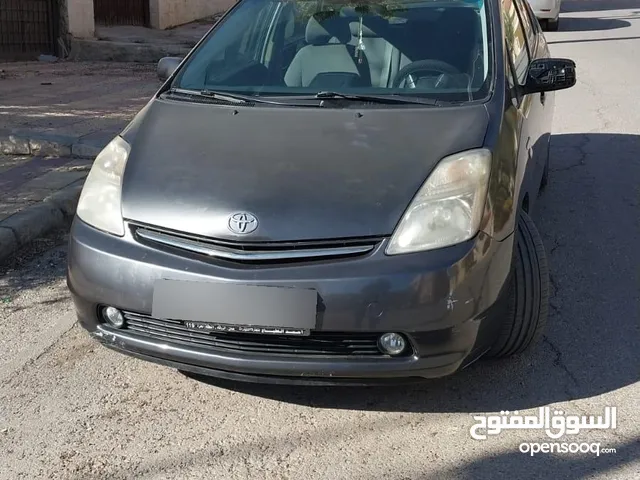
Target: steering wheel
{"type": "Point", "coordinates": [438, 66]}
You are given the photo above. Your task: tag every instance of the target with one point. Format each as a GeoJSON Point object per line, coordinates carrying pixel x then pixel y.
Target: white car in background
{"type": "Point", "coordinates": [547, 12]}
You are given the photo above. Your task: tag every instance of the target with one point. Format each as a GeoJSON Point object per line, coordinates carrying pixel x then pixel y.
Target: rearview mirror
{"type": "Point", "coordinates": [549, 74]}
{"type": "Point", "coordinates": [167, 66]}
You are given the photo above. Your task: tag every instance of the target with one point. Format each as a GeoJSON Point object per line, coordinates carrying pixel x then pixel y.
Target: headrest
{"type": "Point", "coordinates": [321, 30]}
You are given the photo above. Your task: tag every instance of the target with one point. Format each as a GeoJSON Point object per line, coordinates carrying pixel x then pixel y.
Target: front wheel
{"type": "Point", "coordinates": [528, 298]}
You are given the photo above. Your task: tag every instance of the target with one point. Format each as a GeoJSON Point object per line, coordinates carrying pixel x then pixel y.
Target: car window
{"type": "Point", "coordinates": [511, 81]}
{"type": "Point", "coordinates": [430, 48]}
{"type": "Point", "coordinates": [237, 44]}
{"type": "Point", "coordinates": [253, 38]}
{"type": "Point", "coordinates": [535, 25]}
{"type": "Point", "coordinates": [526, 23]}
{"type": "Point", "coordinates": [516, 39]}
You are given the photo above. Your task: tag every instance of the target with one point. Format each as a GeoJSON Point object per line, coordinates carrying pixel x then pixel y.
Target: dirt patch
{"type": "Point", "coordinates": [15, 70]}
{"type": "Point", "coordinates": [71, 354]}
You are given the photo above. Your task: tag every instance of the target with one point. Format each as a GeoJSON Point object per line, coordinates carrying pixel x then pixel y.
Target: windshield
{"type": "Point", "coordinates": [434, 49]}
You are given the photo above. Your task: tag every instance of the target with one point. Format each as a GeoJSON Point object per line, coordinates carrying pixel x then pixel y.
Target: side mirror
{"type": "Point", "coordinates": [167, 66]}
{"type": "Point", "coordinates": [549, 74]}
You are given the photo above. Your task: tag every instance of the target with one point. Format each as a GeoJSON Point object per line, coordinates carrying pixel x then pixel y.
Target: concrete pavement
{"type": "Point", "coordinates": [125, 43]}
{"type": "Point", "coordinates": [79, 411]}
{"type": "Point", "coordinates": [69, 108]}
{"type": "Point", "coordinates": [37, 194]}
{"type": "Point", "coordinates": [54, 119]}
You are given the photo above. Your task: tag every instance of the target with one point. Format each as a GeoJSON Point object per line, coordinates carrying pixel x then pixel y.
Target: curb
{"type": "Point", "coordinates": [115, 51]}
{"type": "Point", "coordinates": [49, 144]}
{"type": "Point", "coordinates": [37, 220]}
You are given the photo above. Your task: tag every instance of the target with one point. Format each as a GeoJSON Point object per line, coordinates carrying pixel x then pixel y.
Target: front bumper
{"type": "Point", "coordinates": [447, 302]}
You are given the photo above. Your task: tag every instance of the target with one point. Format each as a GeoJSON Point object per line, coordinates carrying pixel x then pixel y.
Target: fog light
{"type": "Point", "coordinates": [113, 316]}
{"type": "Point", "coordinates": [392, 343]}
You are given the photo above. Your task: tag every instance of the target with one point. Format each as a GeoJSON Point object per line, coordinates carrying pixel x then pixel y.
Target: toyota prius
{"type": "Point", "coordinates": [328, 192]}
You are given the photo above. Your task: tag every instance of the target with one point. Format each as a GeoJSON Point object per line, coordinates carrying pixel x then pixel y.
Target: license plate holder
{"type": "Point", "coordinates": [234, 307]}
{"type": "Point", "coordinates": [206, 327]}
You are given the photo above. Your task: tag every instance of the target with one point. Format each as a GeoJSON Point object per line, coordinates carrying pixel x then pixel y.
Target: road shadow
{"type": "Point", "coordinates": [574, 24]}
{"type": "Point", "coordinates": [590, 344]}
{"type": "Point", "coordinates": [524, 466]}
{"type": "Point", "coordinates": [592, 40]}
{"type": "Point", "coordinates": [70, 99]}
{"type": "Point", "coordinates": [570, 6]}
{"type": "Point", "coordinates": [506, 464]}
{"type": "Point", "coordinates": [38, 264]}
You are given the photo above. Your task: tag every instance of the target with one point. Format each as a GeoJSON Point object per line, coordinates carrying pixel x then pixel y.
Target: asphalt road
{"type": "Point", "coordinates": [72, 409]}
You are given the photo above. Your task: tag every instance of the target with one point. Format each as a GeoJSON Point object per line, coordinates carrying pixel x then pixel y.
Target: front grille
{"type": "Point", "coordinates": [256, 253]}
{"type": "Point", "coordinates": [317, 344]}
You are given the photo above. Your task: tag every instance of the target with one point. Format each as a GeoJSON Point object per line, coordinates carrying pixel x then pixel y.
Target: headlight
{"type": "Point", "coordinates": [449, 206]}
{"type": "Point", "coordinates": [100, 201]}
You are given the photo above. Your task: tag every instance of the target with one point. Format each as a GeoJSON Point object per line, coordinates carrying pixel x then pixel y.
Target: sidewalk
{"type": "Point", "coordinates": [54, 109]}
{"type": "Point", "coordinates": [139, 44]}
{"type": "Point", "coordinates": [54, 120]}
{"type": "Point", "coordinates": [37, 194]}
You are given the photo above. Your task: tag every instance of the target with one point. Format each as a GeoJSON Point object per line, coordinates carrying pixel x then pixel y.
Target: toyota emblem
{"type": "Point", "coordinates": [243, 223]}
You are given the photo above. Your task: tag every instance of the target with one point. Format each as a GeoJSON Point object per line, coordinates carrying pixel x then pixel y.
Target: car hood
{"type": "Point", "coordinates": [304, 173]}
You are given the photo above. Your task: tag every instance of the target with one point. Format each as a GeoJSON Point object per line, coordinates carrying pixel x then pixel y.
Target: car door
{"type": "Point", "coordinates": [522, 46]}
{"type": "Point", "coordinates": [542, 107]}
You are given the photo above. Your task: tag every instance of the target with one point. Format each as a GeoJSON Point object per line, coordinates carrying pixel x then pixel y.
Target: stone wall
{"type": "Point", "coordinates": [77, 16]}
{"type": "Point", "coordinates": [63, 29]}
{"type": "Point", "coordinates": [170, 13]}
{"type": "Point", "coordinates": [81, 21]}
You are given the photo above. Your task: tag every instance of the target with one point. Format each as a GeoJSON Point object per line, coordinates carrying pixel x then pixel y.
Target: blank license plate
{"type": "Point", "coordinates": [215, 306]}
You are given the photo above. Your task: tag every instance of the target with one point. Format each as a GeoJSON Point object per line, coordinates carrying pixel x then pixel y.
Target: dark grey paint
{"type": "Point", "coordinates": [406, 293]}
{"type": "Point", "coordinates": [321, 173]}
{"type": "Point", "coordinates": [518, 134]}
{"type": "Point", "coordinates": [305, 173]}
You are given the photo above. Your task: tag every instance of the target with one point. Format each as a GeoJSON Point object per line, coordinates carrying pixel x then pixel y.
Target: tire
{"type": "Point", "coordinates": [528, 296]}
{"type": "Point", "coordinates": [553, 25]}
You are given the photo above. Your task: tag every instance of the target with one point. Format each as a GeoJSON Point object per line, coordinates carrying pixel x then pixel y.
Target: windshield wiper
{"type": "Point", "coordinates": [237, 97]}
{"type": "Point", "coordinates": [378, 98]}
{"type": "Point", "coordinates": [223, 96]}
{"type": "Point", "coordinates": [240, 99]}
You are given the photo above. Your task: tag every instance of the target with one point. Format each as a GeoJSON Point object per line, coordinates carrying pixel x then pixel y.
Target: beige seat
{"type": "Point", "coordinates": [328, 62]}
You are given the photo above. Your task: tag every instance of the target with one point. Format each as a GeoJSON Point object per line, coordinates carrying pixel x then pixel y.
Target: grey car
{"type": "Point", "coordinates": [328, 192]}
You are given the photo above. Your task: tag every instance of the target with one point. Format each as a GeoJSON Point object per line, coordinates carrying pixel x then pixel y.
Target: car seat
{"type": "Point", "coordinates": [328, 61]}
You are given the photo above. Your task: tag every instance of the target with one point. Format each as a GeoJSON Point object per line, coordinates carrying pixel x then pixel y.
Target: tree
{"type": "Point", "coordinates": [325, 9]}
